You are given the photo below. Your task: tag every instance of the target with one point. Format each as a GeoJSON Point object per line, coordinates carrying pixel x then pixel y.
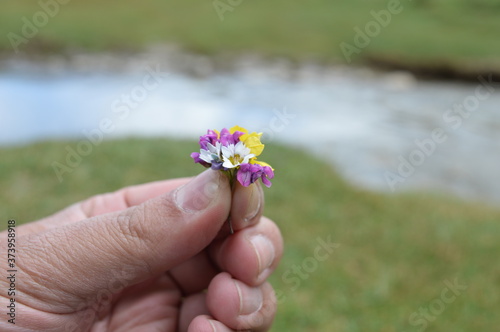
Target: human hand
{"type": "Point", "coordinates": [149, 258]}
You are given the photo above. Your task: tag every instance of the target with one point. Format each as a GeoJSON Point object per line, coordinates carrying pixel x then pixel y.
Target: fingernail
{"type": "Point", "coordinates": [265, 252]}
{"type": "Point", "coordinates": [254, 202]}
{"type": "Point", "coordinates": [250, 298]}
{"type": "Point", "coordinates": [199, 192]}
{"type": "Point", "coordinates": [212, 324]}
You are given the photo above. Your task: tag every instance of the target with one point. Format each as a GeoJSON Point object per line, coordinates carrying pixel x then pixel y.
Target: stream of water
{"type": "Point", "coordinates": [383, 131]}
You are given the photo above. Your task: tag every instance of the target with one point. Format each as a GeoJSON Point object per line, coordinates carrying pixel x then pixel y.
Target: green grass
{"type": "Point", "coordinates": [395, 250]}
{"type": "Point", "coordinates": [459, 32]}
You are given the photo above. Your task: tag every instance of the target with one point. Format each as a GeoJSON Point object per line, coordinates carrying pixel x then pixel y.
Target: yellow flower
{"type": "Point", "coordinates": [252, 141]}
{"type": "Point", "coordinates": [237, 128]}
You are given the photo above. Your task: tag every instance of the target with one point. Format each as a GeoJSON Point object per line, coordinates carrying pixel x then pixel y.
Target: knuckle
{"type": "Point", "coordinates": [130, 226]}
{"type": "Point", "coordinates": [132, 234]}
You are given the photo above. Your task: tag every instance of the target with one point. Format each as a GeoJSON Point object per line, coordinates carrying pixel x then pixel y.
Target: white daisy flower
{"type": "Point", "coordinates": [235, 155]}
{"type": "Point", "coordinates": [212, 155]}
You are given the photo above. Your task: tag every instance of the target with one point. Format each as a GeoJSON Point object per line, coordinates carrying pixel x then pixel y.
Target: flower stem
{"type": "Point", "coordinates": [231, 174]}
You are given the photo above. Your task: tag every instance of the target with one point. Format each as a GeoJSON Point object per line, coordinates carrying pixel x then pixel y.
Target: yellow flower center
{"type": "Point", "coordinates": [236, 159]}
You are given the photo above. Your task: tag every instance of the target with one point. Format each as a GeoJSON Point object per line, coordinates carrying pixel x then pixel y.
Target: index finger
{"type": "Point", "coordinates": [128, 196]}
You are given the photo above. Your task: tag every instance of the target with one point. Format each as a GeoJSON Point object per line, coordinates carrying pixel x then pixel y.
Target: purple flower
{"type": "Point", "coordinates": [249, 173]}
{"type": "Point", "coordinates": [226, 138]}
{"type": "Point", "coordinates": [268, 173]}
{"type": "Point", "coordinates": [236, 135]}
{"type": "Point", "coordinates": [211, 137]}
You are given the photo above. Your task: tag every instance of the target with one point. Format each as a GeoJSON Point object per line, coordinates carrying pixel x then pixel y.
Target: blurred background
{"type": "Point", "coordinates": [381, 119]}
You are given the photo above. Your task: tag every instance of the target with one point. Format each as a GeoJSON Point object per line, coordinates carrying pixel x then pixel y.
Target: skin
{"type": "Point", "coordinates": [152, 257]}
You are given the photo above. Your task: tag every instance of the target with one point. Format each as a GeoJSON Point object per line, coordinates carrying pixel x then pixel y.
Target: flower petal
{"type": "Point", "coordinates": [261, 163]}
{"type": "Point", "coordinates": [234, 129]}
{"type": "Point", "coordinates": [252, 141]}
{"type": "Point", "coordinates": [268, 171]}
{"type": "Point", "coordinates": [244, 176]}
{"type": "Point", "coordinates": [266, 182]}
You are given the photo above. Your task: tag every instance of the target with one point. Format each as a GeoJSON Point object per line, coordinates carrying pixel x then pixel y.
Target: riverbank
{"type": "Point", "coordinates": [374, 126]}
{"type": "Point", "coordinates": [444, 40]}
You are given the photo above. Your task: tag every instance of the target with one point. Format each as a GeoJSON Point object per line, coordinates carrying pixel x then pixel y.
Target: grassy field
{"type": "Point", "coordinates": [397, 254]}
{"type": "Point", "coordinates": [460, 33]}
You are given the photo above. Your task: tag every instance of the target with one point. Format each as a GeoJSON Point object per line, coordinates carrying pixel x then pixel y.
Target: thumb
{"type": "Point", "coordinates": [129, 246]}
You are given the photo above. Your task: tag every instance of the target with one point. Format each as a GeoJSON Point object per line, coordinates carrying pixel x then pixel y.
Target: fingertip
{"type": "Point", "coordinates": [201, 324]}
{"type": "Point", "coordinates": [247, 205]}
{"type": "Point", "coordinates": [240, 306]}
{"type": "Point", "coordinates": [192, 307]}
{"type": "Point", "coordinates": [206, 323]}
{"type": "Point", "coordinates": [223, 297]}
{"type": "Point", "coordinates": [251, 254]}
{"type": "Point", "coordinates": [201, 192]}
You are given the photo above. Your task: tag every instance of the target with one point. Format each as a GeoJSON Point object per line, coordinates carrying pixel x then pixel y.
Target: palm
{"type": "Point", "coordinates": [151, 306]}
{"type": "Point", "coordinates": [165, 303]}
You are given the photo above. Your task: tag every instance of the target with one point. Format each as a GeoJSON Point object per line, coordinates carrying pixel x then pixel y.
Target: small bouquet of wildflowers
{"type": "Point", "coordinates": [235, 153]}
